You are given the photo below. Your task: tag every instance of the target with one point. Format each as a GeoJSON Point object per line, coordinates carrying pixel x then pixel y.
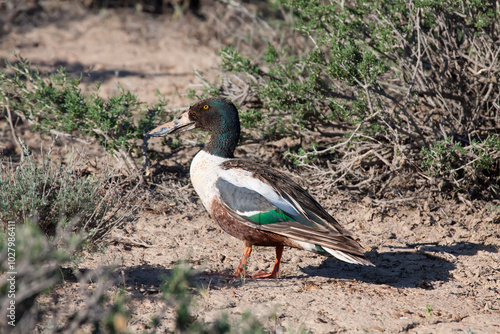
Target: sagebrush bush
{"type": "Point", "coordinates": [57, 196]}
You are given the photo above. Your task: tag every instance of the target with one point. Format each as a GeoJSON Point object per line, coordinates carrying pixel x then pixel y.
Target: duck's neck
{"type": "Point", "coordinates": [223, 143]}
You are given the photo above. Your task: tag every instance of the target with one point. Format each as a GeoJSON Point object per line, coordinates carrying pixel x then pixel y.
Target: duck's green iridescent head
{"type": "Point", "coordinates": [217, 115]}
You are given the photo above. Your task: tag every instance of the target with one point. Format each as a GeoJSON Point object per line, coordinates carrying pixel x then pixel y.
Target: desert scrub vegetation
{"type": "Point", "coordinates": [49, 213]}
{"type": "Point", "coordinates": [53, 103]}
{"type": "Point", "coordinates": [39, 265]}
{"type": "Point", "coordinates": [37, 268]}
{"type": "Point", "coordinates": [370, 90]}
{"type": "Point", "coordinates": [55, 196]}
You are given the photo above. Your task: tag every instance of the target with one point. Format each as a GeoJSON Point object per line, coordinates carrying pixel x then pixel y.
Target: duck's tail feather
{"type": "Point", "coordinates": [338, 254]}
{"type": "Point", "coordinates": [346, 257]}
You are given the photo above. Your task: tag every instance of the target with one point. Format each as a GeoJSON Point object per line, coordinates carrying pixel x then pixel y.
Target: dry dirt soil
{"type": "Point", "coordinates": [437, 261]}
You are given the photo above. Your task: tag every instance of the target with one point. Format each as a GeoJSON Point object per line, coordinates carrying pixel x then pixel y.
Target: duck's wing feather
{"type": "Point", "coordinates": [268, 200]}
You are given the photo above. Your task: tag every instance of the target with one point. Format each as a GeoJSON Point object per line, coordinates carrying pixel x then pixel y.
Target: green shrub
{"type": "Point", "coordinates": [445, 158]}
{"type": "Point", "coordinates": [35, 269]}
{"type": "Point", "coordinates": [54, 103]}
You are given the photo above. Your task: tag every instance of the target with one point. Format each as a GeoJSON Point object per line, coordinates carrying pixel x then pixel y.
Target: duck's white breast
{"type": "Point", "coordinates": [204, 172]}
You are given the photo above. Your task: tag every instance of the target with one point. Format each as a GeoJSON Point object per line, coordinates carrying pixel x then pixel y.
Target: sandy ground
{"type": "Point", "coordinates": [428, 253]}
{"type": "Point", "coordinates": [139, 52]}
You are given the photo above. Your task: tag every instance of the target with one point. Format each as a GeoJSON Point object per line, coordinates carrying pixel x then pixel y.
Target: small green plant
{"type": "Point", "coordinates": [176, 290]}
{"type": "Point", "coordinates": [428, 309]}
{"type": "Point", "coordinates": [443, 157]}
{"type": "Point", "coordinates": [116, 320]}
{"type": "Point", "coordinates": [33, 264]}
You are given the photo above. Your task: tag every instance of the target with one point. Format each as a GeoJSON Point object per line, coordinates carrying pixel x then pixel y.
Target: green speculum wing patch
{"type": "Point", "coordinates": [320, 249]}
{"type": "Point", "coordinates": [270, 217]}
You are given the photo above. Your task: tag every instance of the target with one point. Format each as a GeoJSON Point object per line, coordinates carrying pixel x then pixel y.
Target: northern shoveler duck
{"type": "Point", "coordinates": [253, 202]}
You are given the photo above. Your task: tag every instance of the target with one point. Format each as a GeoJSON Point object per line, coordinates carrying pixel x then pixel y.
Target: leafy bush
{"type": "Point", "coordinates": [54, 103]}
{"type": "Point", "coordinates": [391, 78]}
{"type": "Point", "coordinates": [477, 163]}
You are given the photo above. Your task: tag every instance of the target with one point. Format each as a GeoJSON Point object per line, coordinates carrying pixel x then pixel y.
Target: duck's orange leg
{"type": "Point", "coordinates": [276, 268]}
{"type": "Point", "coordinates": [244, 261]}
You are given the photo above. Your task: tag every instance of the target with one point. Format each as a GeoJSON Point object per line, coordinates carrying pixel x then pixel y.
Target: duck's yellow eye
{"type": "Point", "coordinates": [205, 106]}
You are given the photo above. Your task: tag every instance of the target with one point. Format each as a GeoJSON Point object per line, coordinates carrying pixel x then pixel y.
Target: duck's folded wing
{"type": "Point", "coordinates": [283, 188]}
{"type": "Point", "coordinates": [256, 203]}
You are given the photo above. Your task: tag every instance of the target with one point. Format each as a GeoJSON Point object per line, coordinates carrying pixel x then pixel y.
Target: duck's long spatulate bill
{"type": "Point", "coordinates": [180, 124]}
